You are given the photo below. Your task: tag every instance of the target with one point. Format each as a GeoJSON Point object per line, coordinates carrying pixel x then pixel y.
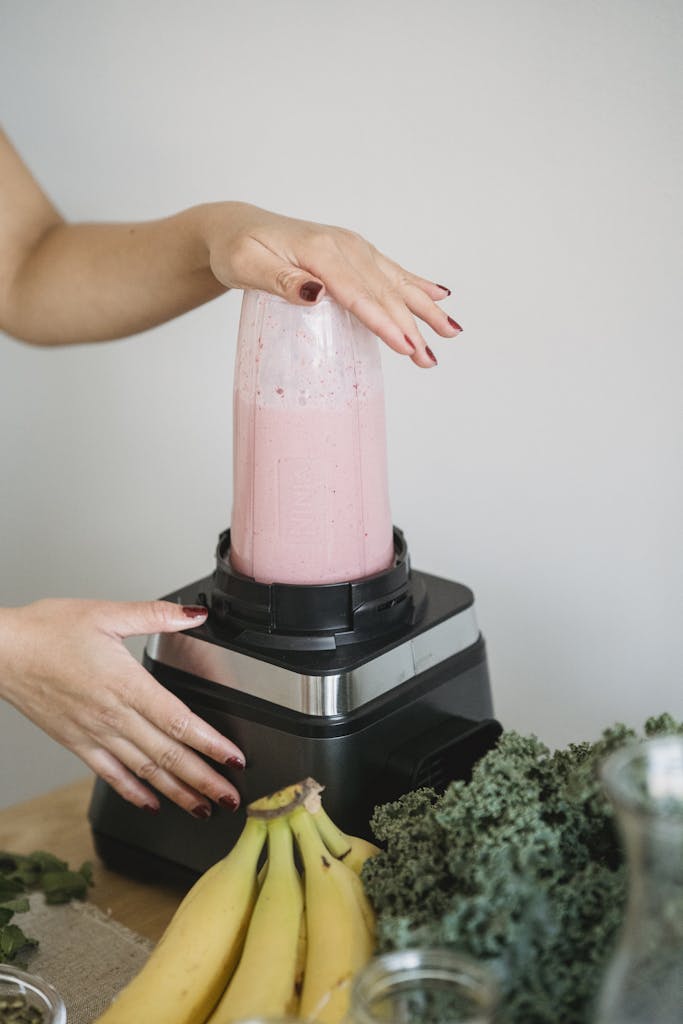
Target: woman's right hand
{"type": "Point", "coordinates": [301, 260]}
{"type": "Point", "coordinates": [63, 664]}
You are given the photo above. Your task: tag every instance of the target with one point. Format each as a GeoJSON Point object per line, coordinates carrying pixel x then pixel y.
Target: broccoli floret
{"type": "Point", "coordinates": [521, 868]}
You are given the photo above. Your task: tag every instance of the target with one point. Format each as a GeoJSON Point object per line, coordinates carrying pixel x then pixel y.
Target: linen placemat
{"type": "Point", "coordinates": [83, 953]}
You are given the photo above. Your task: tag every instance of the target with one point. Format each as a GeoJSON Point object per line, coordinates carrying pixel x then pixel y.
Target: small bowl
{"type": "Point", "coordinates": [38, 993]}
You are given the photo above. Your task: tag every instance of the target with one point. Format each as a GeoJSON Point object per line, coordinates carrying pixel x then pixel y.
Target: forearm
{"type": "Point", "coordinates": [9, 643]}
{"type": "Point", "coordinates": [93, 282]}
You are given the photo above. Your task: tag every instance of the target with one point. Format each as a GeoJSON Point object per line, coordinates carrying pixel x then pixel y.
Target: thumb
{"type": "Point", "coordinates": [292, 283]}
{"type": "Point", "coordinates": [138, 618]}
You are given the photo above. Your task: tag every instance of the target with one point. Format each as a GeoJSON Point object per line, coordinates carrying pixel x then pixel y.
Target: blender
{"type": "Point", "coordinates": [324, 654]}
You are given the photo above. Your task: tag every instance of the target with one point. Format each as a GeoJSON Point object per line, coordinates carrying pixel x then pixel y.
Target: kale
{"type": "Point", "coordinates": [521, 868]}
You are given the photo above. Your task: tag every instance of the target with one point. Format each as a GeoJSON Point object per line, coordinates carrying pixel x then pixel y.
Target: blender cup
{"type": "Point", "coordinates": [310, 487]}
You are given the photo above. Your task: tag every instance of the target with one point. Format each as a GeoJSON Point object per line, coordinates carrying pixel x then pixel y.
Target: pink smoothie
{"type": "Point", "coordinates": [311, 494]}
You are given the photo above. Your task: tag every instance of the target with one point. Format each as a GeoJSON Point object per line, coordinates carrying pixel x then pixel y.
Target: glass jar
{"type": "Point", "coordinates": [644, 981]}
{"type": "Point", "coordinates": [39, 996]}
{"type": "Point", "coordinates": [310, 488]}
{"type": "Point", "coordinates": [423, 986]}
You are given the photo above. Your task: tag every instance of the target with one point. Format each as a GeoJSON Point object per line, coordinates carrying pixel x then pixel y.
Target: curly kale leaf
{"type": "Point", "coordinates": [521, 868]}
{"type": "Point", "coordinates": [416, 856]}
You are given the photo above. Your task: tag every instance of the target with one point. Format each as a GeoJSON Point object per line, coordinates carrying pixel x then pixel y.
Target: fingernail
{"type": "Point", "coordinates": [201, 811]}
{"type": "Point", "coordinates": [229, 802]}
{"type": "Point", "coordinates": [409, 342]}
{"type": "Point", "coordinates": [444, 288]}
{"type": "Point", "coordinates": [454, 323]}
{"type": "Point", "coordinates": [431, 355]}
{"type": "Point", "coordinates": [194, 611]}
{"type": "Point", "coordinates": [310, 291]}
{"type": "Point", "coordinates": [235, 762]}
{"type": "Point", "coordinates": [150, 808]}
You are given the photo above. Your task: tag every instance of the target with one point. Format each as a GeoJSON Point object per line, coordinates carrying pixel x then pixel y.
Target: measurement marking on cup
{"type": "Point", "coordinates": [301, 499]}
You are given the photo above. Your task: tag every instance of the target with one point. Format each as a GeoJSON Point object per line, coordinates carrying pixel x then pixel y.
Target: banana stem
{"type": "Point", "coordinates": [282, 803]}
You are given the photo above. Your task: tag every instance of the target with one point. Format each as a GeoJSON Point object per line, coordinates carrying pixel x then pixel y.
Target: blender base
{"type": "Point", "coordinates": [425, 730]}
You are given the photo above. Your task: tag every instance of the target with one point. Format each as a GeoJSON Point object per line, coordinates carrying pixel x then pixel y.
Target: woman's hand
{"type": "Point", "coordinates": [63, 665]}
{"type": "Point", "coordinates": [69, 283]}
{"type": "Point", "coordinates": [300, 260]}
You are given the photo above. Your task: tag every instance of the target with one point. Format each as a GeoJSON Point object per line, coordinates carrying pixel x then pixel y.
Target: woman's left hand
{"type": "Point", "coordinates": [301, 261]}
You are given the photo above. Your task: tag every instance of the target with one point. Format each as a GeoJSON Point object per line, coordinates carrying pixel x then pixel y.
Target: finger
{"type": "Point", "coordinates": [115, 774]}
{"type": "Point", "coordinates": [138, 618]}
{"type": "Point", "coordinates": [261, 268]}
{"type": "Point", "coordinates": [157, 757]}
{"type": "Point", "coordinates": [370, 311]}
{"type": "Point", "coordinates": [399, 312]}
{"type": "Point", "coordinates": [438, 292]}
{"type": "Point", "coordinates": [164, 777]}
{"type": "Point", "coordinates": [427, 310]}
{"type": "Point", "coordinates": [362, 287]}
{"type": "Point", "coordinates": [398, 274]}
{"type": "Point", "coordinates": [348, 285]}
{"type": "Point", "coordinates": [420, 296]}
{"type": "Point", "coordinates": [174, 719]}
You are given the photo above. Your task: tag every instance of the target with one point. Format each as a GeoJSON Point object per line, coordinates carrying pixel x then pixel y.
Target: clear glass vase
{"type": "Point", "coordinates": [423, 986]}
{"type": "Point", "coordinates": [644, 981]}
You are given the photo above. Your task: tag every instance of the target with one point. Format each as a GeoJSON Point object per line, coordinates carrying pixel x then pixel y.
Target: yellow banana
{"type": "Point", "coordinates": [190, 966]}
{"type": "Point", "coordinates": [353, 850]}
{"type": "Point", "coordinates": [339, 942]}
{"type": "Point", "coordinates": [364, 905]}
{"type": "Point", "coordinates": [264, 982]}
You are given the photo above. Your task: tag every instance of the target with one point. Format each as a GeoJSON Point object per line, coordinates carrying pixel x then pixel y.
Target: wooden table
{"type": "Point", "coordinates": [57, 822]}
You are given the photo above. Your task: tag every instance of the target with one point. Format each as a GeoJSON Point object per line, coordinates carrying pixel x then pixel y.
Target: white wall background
{"type": "Point", "coordinates": [526, 154]}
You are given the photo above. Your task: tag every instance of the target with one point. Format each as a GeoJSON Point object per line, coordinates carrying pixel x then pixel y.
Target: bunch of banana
{"type": "Point", "coordinates": [263, 943]}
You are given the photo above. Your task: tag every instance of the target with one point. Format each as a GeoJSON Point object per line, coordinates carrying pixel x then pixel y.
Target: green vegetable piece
{"type": "Point", "coordinates": [13, 941]}
{"type": "Point", "coordinates": [40, 870]}
{"type": "Point", "coordinates": [12, 907]}
{"type": "Point", "coordinates": [86, 870]}
{"type": "Point", "coordinates": [63, 886]}
{"type": "Point", "coordinates": [43, 861]}
{"type": "Point", "coordinates": [10, 888]}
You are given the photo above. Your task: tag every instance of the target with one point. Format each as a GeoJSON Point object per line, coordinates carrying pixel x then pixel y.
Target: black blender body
{"type": "Point", "coordinates": [351, 667]}
{"type": "Point", "coordinates": [386, 690]}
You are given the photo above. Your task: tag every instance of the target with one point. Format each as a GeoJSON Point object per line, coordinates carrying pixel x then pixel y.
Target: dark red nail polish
{"type": "Point", "coordinates": [229, 802]}
{"type": "Point", "coordinates": [194, 611]}
{"type": "Point", "coordinates": [444, 289]}
{"type": "Point", "coordinates": [201, 811]}
{"type": "Point", "coordinates": [235, 762]}
{"type": "Point", "coordinates": [431, 354]}
{"type": "Point", "coordinates": [310, 291]}
{"type": "Point", "coordinates": [409, 342]}
{"type": "Point", "coordinates": [150, 808]}
{"type": "Point", "coordinates": [453, 323]}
